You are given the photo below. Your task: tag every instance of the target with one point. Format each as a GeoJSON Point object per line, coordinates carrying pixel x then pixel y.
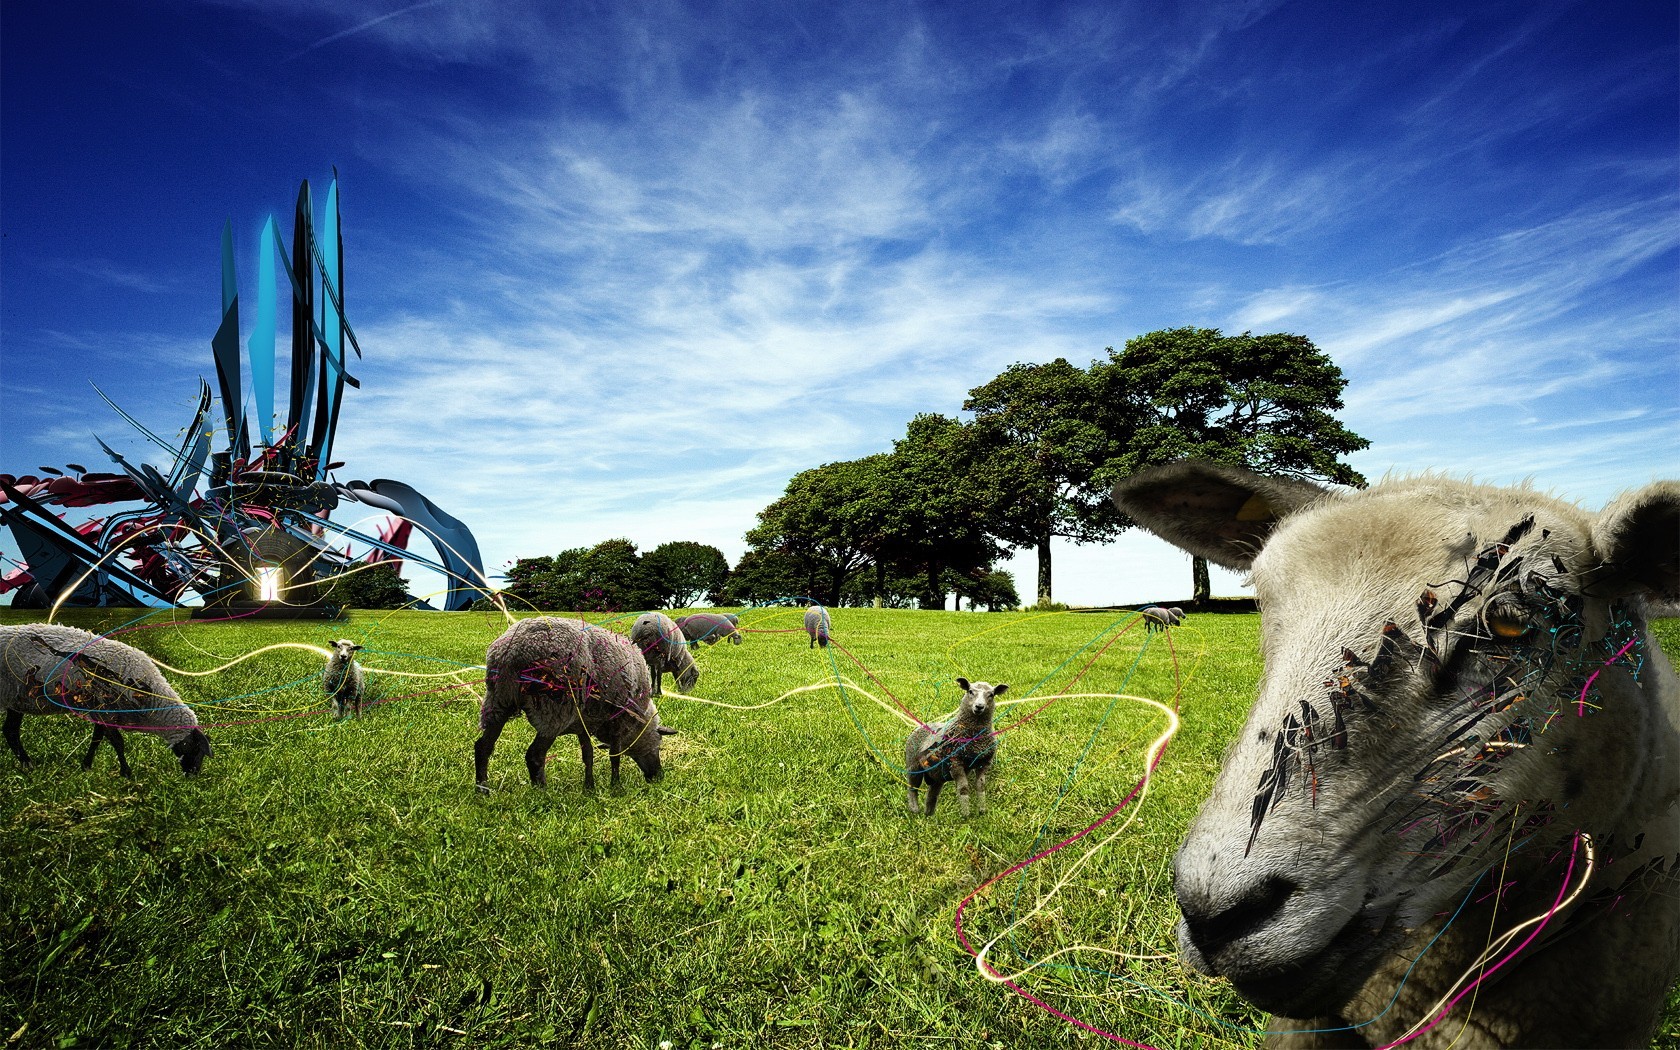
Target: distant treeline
{"type": "Point", "coordinates": [1045, 446]}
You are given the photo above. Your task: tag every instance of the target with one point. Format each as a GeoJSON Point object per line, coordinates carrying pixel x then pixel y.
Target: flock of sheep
{"type": "Point", "coordinates": [568, 677]}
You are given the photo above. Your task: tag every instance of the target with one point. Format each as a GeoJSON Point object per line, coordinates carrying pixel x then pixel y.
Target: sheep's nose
{"type": "Point", "coordinates": [1214, 924]}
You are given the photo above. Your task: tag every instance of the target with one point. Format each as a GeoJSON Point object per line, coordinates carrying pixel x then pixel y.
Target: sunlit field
{"type": "Point", "coordinates": [342, 883]}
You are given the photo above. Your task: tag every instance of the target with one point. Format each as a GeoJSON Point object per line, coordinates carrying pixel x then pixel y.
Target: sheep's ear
{"type": "Point", "coordinates": [1000, 689]}
{"type": "Point", "coordinates": [1221, 513]}
{"type": "Point", "coordinates": [963, 682]}
{"type": "Point", "coordinates": [1638, 538]}
{"type": "Point", "coordinates": [667, 731]}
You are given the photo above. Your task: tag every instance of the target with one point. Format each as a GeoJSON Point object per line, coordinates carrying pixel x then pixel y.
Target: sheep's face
{"type": "Point", "coordinates": [345, 649]}
{"type": "Point", "coordinates": [980, 699]}
{"type": "Point", "coordinates": [645, 751]}
{"type": "Point", "coordinates": [1448, 688]}
{"type": "Point", "coordinates": [688, 676]}
{"type": "Point", "coordinates": [192, 751]}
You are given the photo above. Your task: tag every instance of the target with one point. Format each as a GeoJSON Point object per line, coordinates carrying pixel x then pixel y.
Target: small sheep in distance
{"type": "Point", "coordinates": [569, 677]}
{"type": "Point", "coordinates": [709, 627]}
{"type": "Point", "coordinates": [48, 669]}
{"type": "Point", "coordinates": [816, 625]}
{"type": "Point", "coordinates": [1159, 618]}
{"type": "Point", "coordinates": [344, 679]}
{"type": "Point", "coordinates": [961, 749]}
{"type": "Point", "coordinates": [665, 649]}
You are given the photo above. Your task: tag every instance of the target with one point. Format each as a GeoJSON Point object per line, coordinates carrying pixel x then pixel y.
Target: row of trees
{"type": "Point", "coordinates": [1045, 446]}
{"type": "Point", "coordinates": [613, 577]}
{"type": "Point", "coordinates": [1036, 462]}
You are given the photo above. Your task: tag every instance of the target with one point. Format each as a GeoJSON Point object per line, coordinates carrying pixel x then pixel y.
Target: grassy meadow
{"type": "Point", "coordinates": [341, 884]}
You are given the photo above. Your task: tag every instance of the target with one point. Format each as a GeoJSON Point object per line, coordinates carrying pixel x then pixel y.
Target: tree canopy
{"type": "Point", "coordinates": [1039, 444]}
{"type": "Point", "coordinates": [1264, 402]}
{"type": "Point", "coordinates": [1259, 401]}
{"type": "Point", "coordinates": [378, 587]}
{"type": "Point", "coordinates": [934, 515]}
{"type": "Point", "coordinates": [824, 522]}
{"type": "Point", "coordinates": [607, 577]}
{"type": "Point", "coordinates": [682, 572]}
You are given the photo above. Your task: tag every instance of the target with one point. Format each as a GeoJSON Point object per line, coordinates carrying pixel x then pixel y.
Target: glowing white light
{"type": "Point", "coordinates": [268, 583]}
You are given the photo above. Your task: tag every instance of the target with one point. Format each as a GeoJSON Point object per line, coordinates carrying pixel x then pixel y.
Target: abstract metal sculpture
{"type": "Point", "coordinates": [259, 528]}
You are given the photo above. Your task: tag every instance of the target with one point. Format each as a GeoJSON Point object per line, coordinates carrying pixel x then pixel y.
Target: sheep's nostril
{"type": "Point", "coordinates": [1212, 929]}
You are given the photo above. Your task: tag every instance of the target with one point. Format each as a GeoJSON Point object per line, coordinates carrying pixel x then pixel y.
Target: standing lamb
{"type": "Point", "coordinates": [1454, 810]}
{"type": "Point", "coordinates": [816, 625]}
{"type": "Point", "coordinates": [709, 627]}
{"type": "Point", "coordinates": [961, 749]}
{"type": "Point", "coordinates": [1159, 619]}
{"type": "Point", "coordinates": [570, 677]}
{"type": "Point", "coordinates": [344, 679]}
{"type": "Point", "coordinates": [47, 669]}
{"type": "Point", "coordinates": [665, 649]}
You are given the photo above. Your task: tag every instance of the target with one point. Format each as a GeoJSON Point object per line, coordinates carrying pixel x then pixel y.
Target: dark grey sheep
{"type": "Point", "coordinates": [961, 749]}
{"type": "Point", "coordinates": [816, 625]}
{"type": "Point", "coordinates": [665, 649]}
{"type": "Point", "coordinates": [48, 669]}
{"type": "Point", "coordinates": [570, 677]}
{"type": "Point", "coordinates": [1159, 618]}
{"type": "Point", "coordinates": [709, 627]}
{"type": "Point", "coordinates": [344, 680]}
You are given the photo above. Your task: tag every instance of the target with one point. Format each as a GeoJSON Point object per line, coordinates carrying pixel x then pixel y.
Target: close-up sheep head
{"type": "Point", "coordinates": [1452, 679]}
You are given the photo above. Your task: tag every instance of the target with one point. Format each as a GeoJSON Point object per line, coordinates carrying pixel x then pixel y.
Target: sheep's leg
{"type": "Point", "coordinates": [114, 735]}
{"type": "Point", "coordinates": [915, 794]}
{"type": "Point", "coordinates": [485, 745]}
{"type": "Point", "coordinates": [93, 745]}
{"type": "Point", "coordinates": [961, 778]}
{"type": "Point", "coordinates": [14, 719]}
{"type": "Point", "coordinates": [588, 751]}
{"type": "Point", "coordinates": [934, 787]}
{"type": "Point", "coordinates": [535, 755]}
{"type": "Point", "coordinates": [614, 757]}
{"type": "Point", "coordinates": [980, 791]}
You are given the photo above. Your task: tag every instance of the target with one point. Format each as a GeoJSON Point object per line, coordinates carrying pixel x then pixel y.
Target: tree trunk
{"type": "Point", "coordinates": [936, 590]}
{"type": "Point", "coordinates": [880, 583]}
{"type": "Point", "coordinates": [1044, 570]}
{"type": "Point", "coordinates": [1199, 578]}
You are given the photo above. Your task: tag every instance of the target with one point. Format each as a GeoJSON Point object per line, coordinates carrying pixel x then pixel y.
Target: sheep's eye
{"type": "Point", "coordinates": [1506, 625]}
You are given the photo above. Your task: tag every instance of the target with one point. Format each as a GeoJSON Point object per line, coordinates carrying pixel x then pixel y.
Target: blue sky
{"type": "Point", "coordinates": [623, 269]}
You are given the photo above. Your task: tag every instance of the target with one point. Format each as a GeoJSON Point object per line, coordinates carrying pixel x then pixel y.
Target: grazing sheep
{"type": "Point", "coordinates": [1455, 807]}
{"type": "Point", "coordinates": [47, 669]}
{"type": "Point", "coordinates": [665, 649]}
{"type": "Point", "coordinates": [570, 677]}
{"type": "Point", "coordinates": [816, 625]}
{"type": "Point", "coordinates": [344, 679]}
{"type": "Point", "coordinates": [961, 749]}
{"type": "Point", "coordinates": [709, 627]}
{"type": "Point", "coordinates": [1159, 619]}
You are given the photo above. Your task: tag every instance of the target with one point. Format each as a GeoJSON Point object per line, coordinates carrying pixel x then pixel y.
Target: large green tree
{"type": "Point", "coordinates": [764, 576]}
{"type": "Point", "coordinates": [378, 587]}
{"type": "Point", "coordinates": [682, 572]}
{"type": "Point", "coordinates": [821, 523]}
{"type": "Point", "coordinates": [1264, 402]}
{"type": "Point", "coordinates": [1040, 439]}
{"type": "Point", "coordinates": [542, 582]}
{"type": "Point", "coordinates": [930, 511]}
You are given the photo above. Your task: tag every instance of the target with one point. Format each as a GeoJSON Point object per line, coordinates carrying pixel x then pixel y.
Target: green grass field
{"type": "Point", "coordinates": [342, 884]}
